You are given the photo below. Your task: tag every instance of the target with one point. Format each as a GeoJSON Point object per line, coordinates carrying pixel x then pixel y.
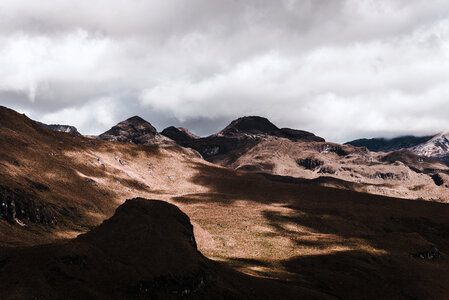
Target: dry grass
{"type": "Point", "coordinates": [337, 241]}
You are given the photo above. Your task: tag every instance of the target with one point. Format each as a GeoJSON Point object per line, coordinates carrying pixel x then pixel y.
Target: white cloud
{"type": "Point", "coordinates": [341, 69]}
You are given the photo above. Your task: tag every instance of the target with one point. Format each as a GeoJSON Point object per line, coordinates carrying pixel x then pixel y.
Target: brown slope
{"type": "Point", "coordinates": [351, 245]}
{"type": "Point", "coordinates": [146, 250]}
{"type": "Point", "coordinates": [399, 174]}
{"type": "Point", "coordinates": [56, 184]}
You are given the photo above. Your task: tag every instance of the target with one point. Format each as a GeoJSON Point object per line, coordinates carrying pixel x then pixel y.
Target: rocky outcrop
{"type": "Point", "coordinates": [17, 206]}
{"type": "Point", "coordinates": [61, 128]}
{"type": "Point", "coordinates": [309, 163]}
{"type": "Point", "coordinates": [437, 179]}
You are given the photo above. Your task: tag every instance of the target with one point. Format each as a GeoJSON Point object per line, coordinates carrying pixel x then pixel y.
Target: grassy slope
{"type": "Point", "coordinates": [348, 244]}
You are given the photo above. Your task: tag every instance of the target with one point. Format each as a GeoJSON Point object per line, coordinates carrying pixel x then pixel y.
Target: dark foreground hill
{"type": "Point", "coordinates": [147, 250]}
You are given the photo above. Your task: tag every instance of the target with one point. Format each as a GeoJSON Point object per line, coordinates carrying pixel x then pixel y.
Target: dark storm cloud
{"type": "Point", "coordinates": [341, 69]}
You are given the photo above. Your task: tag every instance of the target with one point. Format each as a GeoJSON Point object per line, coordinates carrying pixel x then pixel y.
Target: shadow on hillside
{"type": "Point", "coordinates": [367, 239]}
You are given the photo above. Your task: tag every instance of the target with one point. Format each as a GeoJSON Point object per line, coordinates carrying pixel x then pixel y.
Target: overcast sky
{"type": "Point", "coordinates": [341, 69]}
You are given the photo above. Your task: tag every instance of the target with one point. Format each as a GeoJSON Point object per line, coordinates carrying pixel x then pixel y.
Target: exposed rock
{"type": "Point", "coordinates": [61, 128]}
{"type": "Point", "coordinates": [310, 163]}
{"type": "Point", "coordinates": [17, 206]}
{"type": "Point", "coordinates": [123, 163]}
{"type": "Point", "coordinates": [389, 176]}
{"type": "Point", "coordinates": [437, 179]}
{"type": "Point", "coordinates": [333, 148]}
{"type": "Point", "coordinates": [91, 181]}
{"type": "Point", "coordinates": [327, 170]}
{"type": "Point", "coordinates": [432, 254]}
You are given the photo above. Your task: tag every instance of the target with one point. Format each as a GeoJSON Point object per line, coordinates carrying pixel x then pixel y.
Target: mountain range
{"type": "Point", "coordinates": [251, 212]}
{"type": "Point", "coordinates": [434, 146]}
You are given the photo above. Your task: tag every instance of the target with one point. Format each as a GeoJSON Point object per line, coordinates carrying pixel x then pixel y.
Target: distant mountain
{"type": "Point", "coordinates": [387, 145]}
{"type": "Point", "coordinates": [249, 125]}
{"type": "Point", "coordinates": [61, 128]}
{"type": "Point", "coordinates": [254, 125]}
{"type": "Point", "coordinates": [437, 148]}
{"type": "Point", "coordinates": [179, 134]}
{"type": "Point", "coordinates": [237, 138]}
{"type": "Point", "coordinates": [135, 130]}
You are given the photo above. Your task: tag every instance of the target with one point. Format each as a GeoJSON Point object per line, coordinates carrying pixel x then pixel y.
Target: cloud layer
{"type": "Point", "coordinates": [341, 69]}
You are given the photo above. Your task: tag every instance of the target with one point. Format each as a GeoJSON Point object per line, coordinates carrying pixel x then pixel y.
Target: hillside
{"type": "Point", "coordinates": [237, 138]}
{"type": "Point", "coordinates": [319, 234]}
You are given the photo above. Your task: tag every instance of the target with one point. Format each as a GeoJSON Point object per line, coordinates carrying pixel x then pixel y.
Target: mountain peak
{"type": "Point", "coordinates": [137, 120]}
{"type": "Point", "coordinates": [250, 125]}
{"type": "Point", "coordinates": [255, 125]}
{"type": "Point", "coordinates": [134, 129]}
{"type": "Point", "coordinates": [179, 134]}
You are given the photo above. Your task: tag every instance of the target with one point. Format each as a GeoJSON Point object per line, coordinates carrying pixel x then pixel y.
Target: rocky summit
{"type": "Point", "coordinates": [237, 138]}
{"type": "Point", "coordinates": [254, 125]}
{"type": "Point", "coordinates": [135, 130]}
{"type": "Point", "coordinates": [61, 128]}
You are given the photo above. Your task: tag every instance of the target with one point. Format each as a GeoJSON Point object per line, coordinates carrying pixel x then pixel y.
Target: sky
{"type": "Point", "coordinates": [342, 69]}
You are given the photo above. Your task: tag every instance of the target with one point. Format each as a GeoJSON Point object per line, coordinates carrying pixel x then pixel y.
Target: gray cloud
{"type": "Point", "coordinates": [341, 69]}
